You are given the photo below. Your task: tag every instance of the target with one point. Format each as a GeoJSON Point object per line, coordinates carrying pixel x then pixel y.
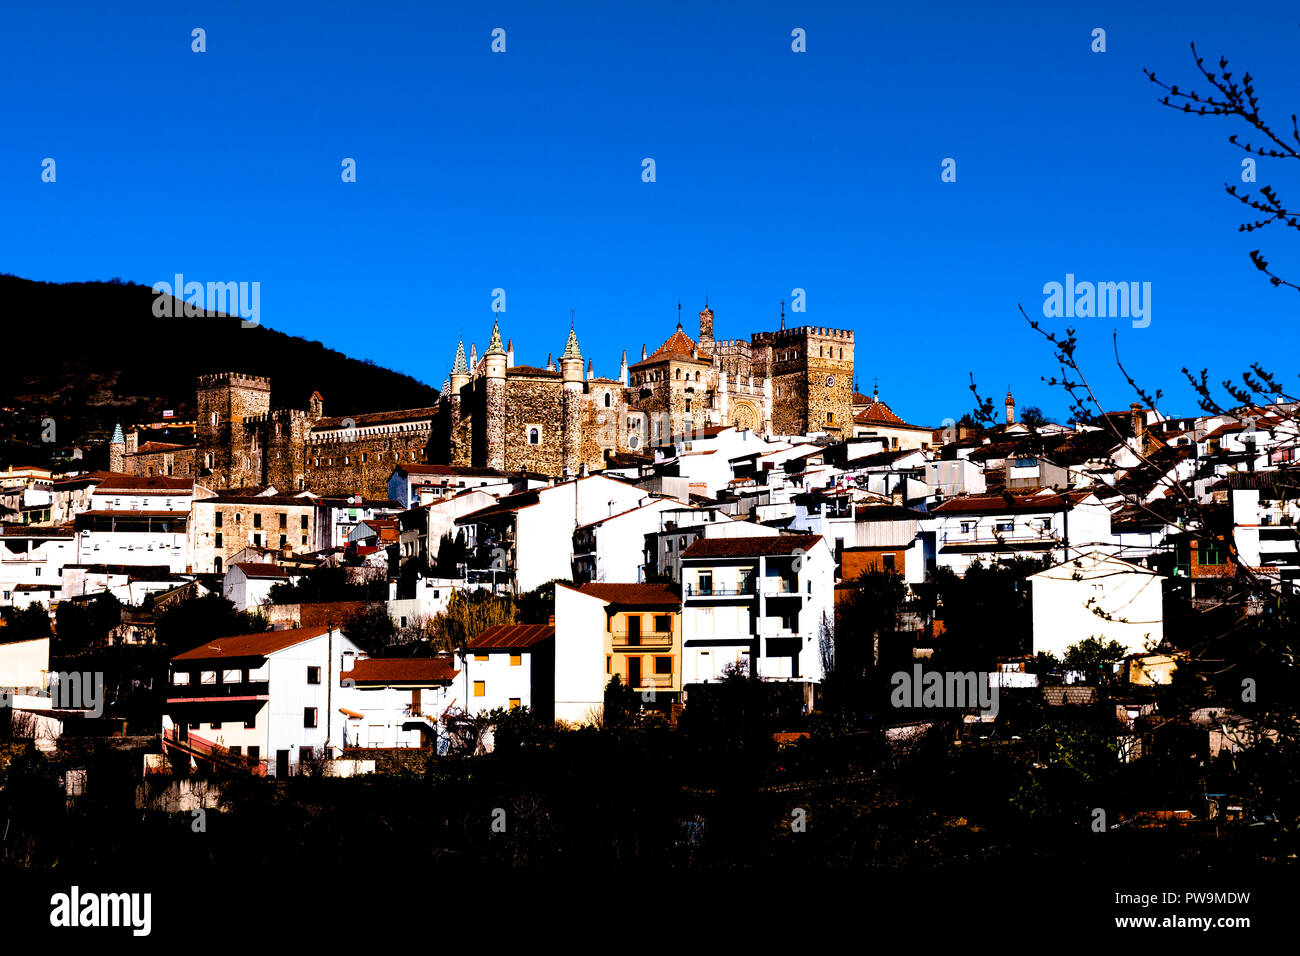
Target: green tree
{"type": "Point", "coordinates": [1094, 658]}
{"type": "Point", "coordinates": [468, 614]}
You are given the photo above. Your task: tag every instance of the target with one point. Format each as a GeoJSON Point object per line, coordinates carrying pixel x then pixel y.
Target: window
{"type": "Point", "coordinates": [313, 675]}
{"type": "Point", "coordinates": [534, 436]}
{"type": "Point", "coordinates": [237, 750]}
{"type": "Point", "coordinates": [257, 539]}
{"type": "Point", "coordinates": [304, 754]}
{"type": "Point", "coordinates": [516, 660]}
{"type": "Point", "coordinates": [480, 688]}
{"type": "Point", "coordinates": [238, 517]}
{"type": "Point", "coordinates": [207, 677]}
{"type": "Point", "coordinates": [302, 522]}
{"type": "Point", "coordinates": [1004, 527]}
{"type": "Point", "coordinates": [217, 542]}
{"type": "Point", "coordinates": [284, 522]}
{"type": "Point", "coordinates": [706, 582]}
{"type": "Point", "coordinates": [830, 417]}
{"type": "Point", "coordinates": [257, 520]}
{"type": "Point", "coordinates": [181, 677]}
{"type": "Point", "coordinates": [609, 664]}
{"type": "Point", "coordinates": [514, 703]}
{"type": "Point", "coordinates": [220, 515]}
{"type": "Point", "coordinates": [284, 540]}
{"type": "Point", "coordinates": [309, 716]}
{"type": "Point", "coordinates": [232, 675]}
{"type": "Point", "coordinates": [662, 624]}
{"type": "Point", "coordinates": [966, 527]}
{"type": "Point", "coordinates": [609, 402]}
{"type": "Point", "coordinates": [663, 665]}
{"type": "Point", "coordinates": [887, 561]}
{"type": "Point", "coordinates": [216, 562]}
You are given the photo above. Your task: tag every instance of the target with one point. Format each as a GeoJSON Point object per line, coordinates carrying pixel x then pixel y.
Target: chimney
{"type": "Point", "coordinates": [582, 470]}
{"type": "Point", "coordinates": [1011, 407]}
{"type": "Point", "coordinates": [1139, 428]}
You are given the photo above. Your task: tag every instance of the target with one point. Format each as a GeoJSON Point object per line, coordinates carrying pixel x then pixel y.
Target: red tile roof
{"type": "Point", "coordinates": [634, 595]}
{"type": "Point", "coordinates": [251, 645]}
{"type": "Point", "coordinates": [750, 547]}
{"type": "Point", "coordinates": [375, 418]}
{"type": "Point", "coordinates": [989, 504]}
{"type": "Point", "coordinates": [878, 413]}
{"type": "Point", "coordinates": [401, 670]}
{"type": "Point", "coordinates": [145, 485]}
{"type": "Point", "coordinates": [254, 569]}
{"type": "Point", "coordinates": [679, 345]}
{"type": "Point", "coordinates": [502, 637]}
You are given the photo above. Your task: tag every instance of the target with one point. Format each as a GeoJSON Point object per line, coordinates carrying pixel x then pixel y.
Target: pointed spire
{"type": "Point", "coordinates": [473, 357]}
{"type": "Point", "coordinates": [643, 352]}
{"type": "Point", "coordinates": [591, 372]}
{"type": "Point", "coordinates": [460, 368]}
{"type": "Point", "coordinates": [494, 346]}
{"type": "Point", "coordinates": [510, 353]}
{"type": "Point", "coordinates": [550, 362]}
{"type": "Point", "coordinates": [117, 436]}
{"type": "Point", "coordinates": [571, 349]}
{"type": "Point", "coordinates": [679, 313]}
{"type": "Point", "coordinates": [446, 388]}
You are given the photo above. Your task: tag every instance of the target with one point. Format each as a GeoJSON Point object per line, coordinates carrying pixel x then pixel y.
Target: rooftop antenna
{"type": "Point", "coordinates": [783, 315]}
{"type": "Point", "coordinates": [679, 313]}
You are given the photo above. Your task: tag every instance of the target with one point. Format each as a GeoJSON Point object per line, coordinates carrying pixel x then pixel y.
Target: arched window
{"type": "Point", "coordinates": [533, 436]}
{"type": "Point", "coordinates": [697, 376]}
{"type": "Point", "coordinates": [679, 374]}
{"type": "Point", "coordinates": [609, 402]}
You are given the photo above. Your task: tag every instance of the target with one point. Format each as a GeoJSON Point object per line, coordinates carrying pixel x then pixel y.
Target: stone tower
{"type": "Point", "coordinates": [117, 451]}
{"type": "Point", "coordinates": [494, 369]}
{"type": "Point", "coordinates": [221, 452]}
{"type": "Point", "coordinates": [571, 375]}
{"type": "Point", "coordinates": [1010, 406]}
{"type": "Point", "coordinates": [459, 379]}
{"type": "Point", "coordinates": [706, 330]}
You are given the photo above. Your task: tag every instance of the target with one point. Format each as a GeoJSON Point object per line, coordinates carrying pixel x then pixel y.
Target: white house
{"type": "Point", "coordinates": [1097, 595]}
{"type": "Point", "coordinates": [757, 600]}
{"type": "Point", "coordinates": [614, 548]}
{"type": "Point", "coordinates": [33, 556]}
{"type": "Point", "coordinates": [397, 701]}
{"type": "Point", "coordinates": [509, 666]}
{"type": "Point", "coordinates": [526, 539]}
{"type": "Point", "coordinates": [997, 527]}
{"type": "Point", "coordinates": [249, 584]}
{"type": "Point", "coordinates": [273, 698]}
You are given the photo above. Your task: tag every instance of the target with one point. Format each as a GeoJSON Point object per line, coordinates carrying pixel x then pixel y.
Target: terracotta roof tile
{"type": "Point", "coordinates": [251, 645]}
{"type": "Point", "coordinates": [502, 637]}
{"type": "Point", "coordinates": [401, 670]}
{"type": "Point", "coordinates": [750, 547]}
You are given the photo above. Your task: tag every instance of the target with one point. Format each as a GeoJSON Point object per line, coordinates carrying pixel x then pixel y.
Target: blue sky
{"type": "Point", "coordinates": [775, 170]}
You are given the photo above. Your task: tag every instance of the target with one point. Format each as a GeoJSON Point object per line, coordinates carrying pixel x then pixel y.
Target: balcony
{"type": "Point", "coordinates": [645, 639]}
{"type": "Point", "coordinates": [248, 690]}
{"type": "Point", "coordinates": [776, 587]}
{"type": "Point", "coordinates": [654, 682]}
{"type": "Point", "coordinates": [710, 591]}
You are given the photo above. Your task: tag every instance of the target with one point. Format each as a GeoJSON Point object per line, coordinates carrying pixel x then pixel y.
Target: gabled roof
{"type": "Point", "coordinates": [145, 485]}
{"type": "Point", "coordinates": [260, 569]}
{"type": "Point", "coordinates": [364, 419]}
{"type": "Point", "coordinates": [501, 637]}
{"type": "Point", "coordinates": [750, 547]}
{"type": "Point", "coordinates": [401, 670]}
{"type": "Point", "coordinates": [251, 645]}
{"type": "Point", "coordinates": [659, 596]}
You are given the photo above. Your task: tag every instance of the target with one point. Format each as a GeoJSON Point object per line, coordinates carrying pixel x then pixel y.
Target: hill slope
{"type": "Point", "coordinates": [88, 355]}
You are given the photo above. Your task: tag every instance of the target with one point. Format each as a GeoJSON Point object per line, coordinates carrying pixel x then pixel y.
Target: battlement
{"type": "Point", "coordinates": [234, 380]}
{"type": "Point", "coordinates": [283, 415]}
{"type": "Point", "coordinates": [801, 333]}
